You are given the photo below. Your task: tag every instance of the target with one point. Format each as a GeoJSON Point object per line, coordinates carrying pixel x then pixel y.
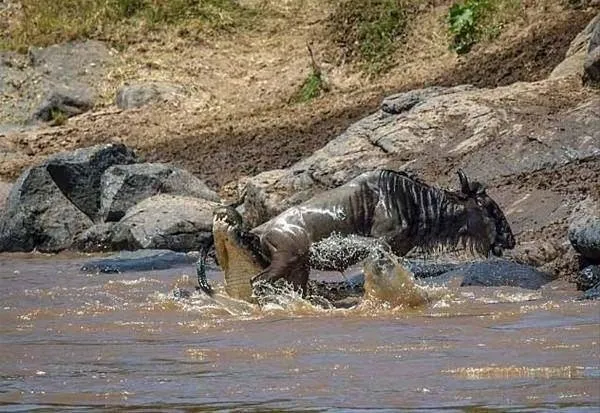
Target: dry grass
{"type": "Point", "coordinates": [45, 22]}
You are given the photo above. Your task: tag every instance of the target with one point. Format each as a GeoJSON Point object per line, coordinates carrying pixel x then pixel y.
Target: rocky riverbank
{"type": "Point", "coordinates": [535, 144]}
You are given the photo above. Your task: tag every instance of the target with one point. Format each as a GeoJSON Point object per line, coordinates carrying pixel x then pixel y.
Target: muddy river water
{"type": "Point", "coordinates": [72, 341]}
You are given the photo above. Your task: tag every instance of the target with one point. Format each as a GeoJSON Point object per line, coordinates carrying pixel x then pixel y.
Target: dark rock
{"type": "Point", "coordinates": [591, 67]}
{"type": "Point", "coordinates": [78, 173]}
{"type": "Point", "coordinates": [584, 230]}
{"type": "Point", "coordinates": [592, 293]}
{"type": "Point", "coordinates": [39, 216]}
{"type": "Point", "coordinates": [170, 222]}
{"type": "Point", "coordinates": [142, 260]}
{"type": "Point", "coordinates": [135, 96]}
{"type": "Point", "coordinates": [588, 277]}
{"type": "Point", "coordinates": [123, 186]}
{"type": "Point", "coordinates": [64, 103]}
{"type": "Point", "coordinates": [495, 273]}
{"type": "Point", "coordinates": [52, 204]}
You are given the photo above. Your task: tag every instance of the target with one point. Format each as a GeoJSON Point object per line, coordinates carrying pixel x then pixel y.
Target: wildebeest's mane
{"type": "Point", "coordinates": [429, 214]}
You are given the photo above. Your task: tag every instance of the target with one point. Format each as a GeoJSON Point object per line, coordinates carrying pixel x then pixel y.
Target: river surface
{"type": "Point", "coordinates": [71, 341]}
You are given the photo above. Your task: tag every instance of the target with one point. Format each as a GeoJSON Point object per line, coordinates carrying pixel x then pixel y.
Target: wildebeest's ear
{"type": "Point", "coordinates": [477, 188]}
{"type": "Point", "coordinates": [464, 182]}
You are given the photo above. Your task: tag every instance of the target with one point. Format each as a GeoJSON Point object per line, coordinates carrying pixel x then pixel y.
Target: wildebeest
{"type": "Point", "coordinates": [397, 209]}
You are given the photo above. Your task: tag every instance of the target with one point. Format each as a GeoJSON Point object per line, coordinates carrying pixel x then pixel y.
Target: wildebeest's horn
{"type": "Point", "coordinates": [464, 182]}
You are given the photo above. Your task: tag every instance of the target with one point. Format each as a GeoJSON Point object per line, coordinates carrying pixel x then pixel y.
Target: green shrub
{"type": "Point", "coordinates": [312, 87]}
{"type": "Point", "coordinates": [471, 21]}
{"type": "Point", "coordinates": [367, 31]}
{"type": "Point", "coordinates": [45, 22]}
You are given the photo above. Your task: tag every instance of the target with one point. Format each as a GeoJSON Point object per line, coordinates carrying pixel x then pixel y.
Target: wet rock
{"type": "Point", "coordinates": [494, 273]}
{"type": "Point", "coordinates": [142, 260]}
{"type": "Point", "coordinates": [588, 277]}
{"type": "Point", "coordinates": [137, 95]}
{"type": "Point", "coordinates": [39, 216]}
{"type": "Point", "coordinates": [170, 222]}
{"type": "Point", "coordinates": [64, 103]}
{"type": "Point", "coordinates": [584, 230]}
{"type": "Point", "coordinates": [123, 186]}
{"type": "Point", "coordinates": [422, 269]}
{"type": "Point", "coordinates": [593, 293]}
{"type": "Point", "coordinates": [78, 173]}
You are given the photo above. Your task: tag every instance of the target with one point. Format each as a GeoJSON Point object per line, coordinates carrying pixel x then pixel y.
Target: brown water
{"type": "Point", "coordinates": [75, 341]}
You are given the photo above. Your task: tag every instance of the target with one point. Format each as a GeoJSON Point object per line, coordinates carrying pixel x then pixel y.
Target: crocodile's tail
{"type": "Point", "coordinates": [203, 284]}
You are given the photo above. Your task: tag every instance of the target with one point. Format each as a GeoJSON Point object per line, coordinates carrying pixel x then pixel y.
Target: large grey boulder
{"type": "Point", "coordinates": [39, 216]}
{"type": "Point", "coordinates": [51, 204]}
{"type": "Point", "coordinates": [123, 186]}
{"type": "Point", "coordinates": [78, 173]}
{"type": "Point", "coordinates": [170, 222]}
{"type": "Point", "coordinates": [584, 230]}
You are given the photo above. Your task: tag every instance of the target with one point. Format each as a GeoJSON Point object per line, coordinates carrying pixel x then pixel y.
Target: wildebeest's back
{"type": "Point", "coordinates": [347, 209]}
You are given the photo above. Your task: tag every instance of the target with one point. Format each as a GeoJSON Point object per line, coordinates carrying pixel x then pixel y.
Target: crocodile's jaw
{"type": "Point", "coordinates": [239, 264]}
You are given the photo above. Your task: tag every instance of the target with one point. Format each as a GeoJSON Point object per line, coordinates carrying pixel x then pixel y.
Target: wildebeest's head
{"type": "Point", "coordinates": [485, 219]}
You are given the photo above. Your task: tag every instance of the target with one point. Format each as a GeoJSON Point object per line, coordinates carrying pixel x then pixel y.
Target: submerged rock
{"type": "Point", "coordinates": [142, 260]}
{"type": "Point", "coordinates": [495, 273]}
